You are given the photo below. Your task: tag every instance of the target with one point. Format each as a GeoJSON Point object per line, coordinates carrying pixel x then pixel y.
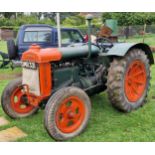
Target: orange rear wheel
{"type": "Point", "coordinates": [135, 81]}
{"type": "Point", "coordinates": [129, 80]}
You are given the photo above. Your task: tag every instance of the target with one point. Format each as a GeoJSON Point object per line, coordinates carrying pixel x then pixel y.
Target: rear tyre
{"type": "Point", "coordinates": [12, 49]}
{"type": "Point", "coordinates": [13, 103]}
{"type": "Point", "coordinates": [67, 113]}
{"type": "Point", "coordinates": [129, 80]}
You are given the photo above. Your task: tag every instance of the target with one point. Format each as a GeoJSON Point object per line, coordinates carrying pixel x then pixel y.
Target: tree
{"type": "Point", "coordinates": [74, 20]}
{"type": "Point", "coordinates": [130, 18]}
{"type": "Point", "coordinates": [7, 14]}
{"type": "Point", "coordinates": [63, 15]}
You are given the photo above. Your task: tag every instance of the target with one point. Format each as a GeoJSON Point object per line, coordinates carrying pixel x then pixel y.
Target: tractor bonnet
{"type": "Point", "coordinates": [36, 54]}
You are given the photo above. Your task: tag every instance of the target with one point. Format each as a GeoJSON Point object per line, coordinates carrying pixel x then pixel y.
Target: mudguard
{"type": "Point", "coordinates": [121, 49]}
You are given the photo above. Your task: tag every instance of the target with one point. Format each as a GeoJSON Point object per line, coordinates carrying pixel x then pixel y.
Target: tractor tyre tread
{"type": "Point", "coordinates": [115, 81]}
{"type": "Point", "coordinates": [50, 109]}
{"type": "Point", "coordinates": [5, 100]}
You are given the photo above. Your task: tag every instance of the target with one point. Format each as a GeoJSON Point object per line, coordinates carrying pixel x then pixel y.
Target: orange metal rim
{"type": "Point", "coordinates": [17, 103]}
{"type": "Point", "coordinates": [70, 114]}
{"type": "Point", "coordinates": [135, 81]}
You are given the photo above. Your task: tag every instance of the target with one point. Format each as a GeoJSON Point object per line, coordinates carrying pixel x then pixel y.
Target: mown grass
{"type": "Point", "coordinates": [148, 39]}
{"type": "Point", "coordinates": [3, 46]}
{"type": "Point", "coordinates": [106, 123]}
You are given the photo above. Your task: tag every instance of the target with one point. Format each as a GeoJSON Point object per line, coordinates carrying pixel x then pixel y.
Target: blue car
{"type": "Point", "coordinates": [43, 35]}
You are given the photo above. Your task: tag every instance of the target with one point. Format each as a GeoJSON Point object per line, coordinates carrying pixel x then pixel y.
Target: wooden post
{"type": "Point", "coordinates": [144, 31]}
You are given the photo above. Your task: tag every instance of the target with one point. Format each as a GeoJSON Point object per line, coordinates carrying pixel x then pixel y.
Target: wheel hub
{"type": "Point", "coordinates": [70, 114]}
{"type": "Point", "coordinates": [19, 101]}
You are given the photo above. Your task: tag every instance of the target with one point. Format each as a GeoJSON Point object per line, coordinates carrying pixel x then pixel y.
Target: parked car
{"type": "Point", "coordinates": [43, 35]}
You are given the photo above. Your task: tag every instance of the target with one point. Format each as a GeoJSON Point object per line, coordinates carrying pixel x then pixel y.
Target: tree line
{"type": "Point", "coordinates": [131, 18]}
{"type": "Point", "coordinates": [13, 19]}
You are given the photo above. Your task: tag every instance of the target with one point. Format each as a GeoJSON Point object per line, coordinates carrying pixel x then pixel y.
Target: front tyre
{"type": "Point", "coordinates": [67, 113]}
{"type": "Point", "coordinates": [129, 80]}
{"type": "Point", "coordinates": [14, 101]}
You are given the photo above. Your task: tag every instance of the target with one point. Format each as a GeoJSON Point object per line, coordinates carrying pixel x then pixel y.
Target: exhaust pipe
{"type": "Point", "coordinates": [89, 18]}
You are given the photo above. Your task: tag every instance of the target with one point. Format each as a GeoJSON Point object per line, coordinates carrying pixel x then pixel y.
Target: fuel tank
{"type": "Point", "coordinates": [39, 55]}
{"type": "Point", "coordinates": [78, 51]}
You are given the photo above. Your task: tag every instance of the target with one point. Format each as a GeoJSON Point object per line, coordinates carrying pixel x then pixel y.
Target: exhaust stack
{"type": "Point", "coordinates": [89, 18]}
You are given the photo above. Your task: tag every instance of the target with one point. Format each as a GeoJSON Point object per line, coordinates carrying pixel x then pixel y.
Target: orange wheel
{"type": "Point", "coordinates": [19, 102]}
{"type": "Point", "coordinates": [70, 114]}
{"type": "Point", "coordinates": [67, 113]}
{"type": "Point", "coordinates": [14, 101]}
{"type": "Point", "coordinates": [129, 80]}
{"type": "Point", "coordinates": [135, 81]}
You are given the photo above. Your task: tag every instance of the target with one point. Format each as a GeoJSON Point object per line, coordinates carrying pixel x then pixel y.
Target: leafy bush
{"type": "Point", "coordinates": [130, 18]}
{"type": "Point", "coordinates": [74, 21]}
{"type": "Point", "coordinates": [16, 23]}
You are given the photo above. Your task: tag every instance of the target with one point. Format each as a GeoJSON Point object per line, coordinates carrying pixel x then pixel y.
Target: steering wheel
{"type": "Point", "coordinates": [100, 42]}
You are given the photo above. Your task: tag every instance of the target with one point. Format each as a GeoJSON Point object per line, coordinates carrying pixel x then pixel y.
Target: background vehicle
{"type": "Point", "coordinates": [42, 35]}
{"type": "Point", "coordinates": [62, 78]}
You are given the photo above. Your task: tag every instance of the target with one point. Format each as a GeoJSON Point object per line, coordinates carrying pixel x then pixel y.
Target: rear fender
{"type": "Point", "coordinates": [121, 50]}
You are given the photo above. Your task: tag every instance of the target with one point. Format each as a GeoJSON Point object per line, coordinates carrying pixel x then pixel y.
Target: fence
{"type": "Point", "coordinates": [127, 31]}
{"type": "Point", "coordinates": [123, 31]}
{"type": "Point", "coordinates": [6, 34]}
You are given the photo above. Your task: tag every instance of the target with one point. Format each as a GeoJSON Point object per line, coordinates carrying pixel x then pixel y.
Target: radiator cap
{"type": "Point", "coordinates": [35, 47]}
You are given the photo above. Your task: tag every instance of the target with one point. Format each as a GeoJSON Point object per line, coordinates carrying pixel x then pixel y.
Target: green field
{"type": "Point", "coordinates": [106, 123]}
{"type": "Point", "coordinates": [148, 39]}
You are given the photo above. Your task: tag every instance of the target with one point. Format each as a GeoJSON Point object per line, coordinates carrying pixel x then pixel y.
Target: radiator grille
{"type": "Point", "coordinates": [31, 78]}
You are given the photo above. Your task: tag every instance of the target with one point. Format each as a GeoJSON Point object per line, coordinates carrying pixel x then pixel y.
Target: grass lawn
{"type": "Point", "coordinates": [106, 123]}
{"type": "Point", "coordinates": [3, 46]}
{"type": "Point", "coordinates": [148, 39]}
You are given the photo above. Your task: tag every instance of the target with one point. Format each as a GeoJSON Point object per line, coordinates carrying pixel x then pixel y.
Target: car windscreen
{"type": "Point", "coordinates": [37, 36]}
{"type": "Point", "coordinates": [71, 36]}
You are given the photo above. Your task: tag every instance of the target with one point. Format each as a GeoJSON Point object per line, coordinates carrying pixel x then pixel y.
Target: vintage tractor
{"type": "Point", "coordinates": [62, 78]}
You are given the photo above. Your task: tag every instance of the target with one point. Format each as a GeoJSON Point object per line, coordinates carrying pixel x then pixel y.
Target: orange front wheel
{"type": "Point", "coordinates": [67, 113]}
{"type": "Point", "coordinates": [70, 114]}
{"type": "Point", "coordinates": [15, 102]}
{"type": "Point", "coordinates": [19, 101]}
